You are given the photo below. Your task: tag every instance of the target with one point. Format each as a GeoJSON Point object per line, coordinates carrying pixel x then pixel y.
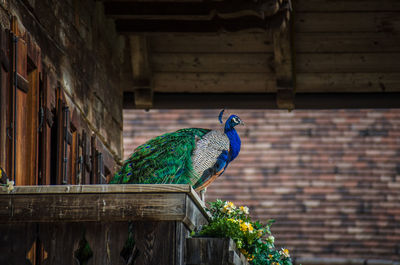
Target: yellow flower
{"type": "Point", "coordinates": [260, 232]}
{"type": "Point", "coordinates": [243, 227]}
{"type": "Point", "coordinates": [250, 227]}
{"type": "Point", "coordinates": [284, 252]}
{"type": "Point", "coordinates": [270, 256]}
{"type": "Point", "coordinates": [244, 210]}
{"type": "Point", "coordinates": [246, 254]}
{"type": "Point", "coordinates": [228, 207]}
{"type": "Point", "coordinates": [232, 220]}
{"type": "Point", "coordinates": [230, 204]}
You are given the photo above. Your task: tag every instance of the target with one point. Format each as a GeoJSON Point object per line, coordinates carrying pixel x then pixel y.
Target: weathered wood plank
{"type": "Point", "coordinates": [155, 242]}
{"type": "Point", "coordinates": [347, 42]}
{"type": "Point", "coordinates": [193, 216]}
{"type": "Point", "coordinates": [268, 100]}
{"type": "Point", "coordinates": [218, 43]}
{"type": "Point", "coordinates": [15, 242]}
{"type": "Point", "coordinates": [213, 251]}
{"type": "Point", "coordinates": [347, 5]}
{"type": "Point", "coordinates": [93, 207]}
{"type": "Point", "coordinates": [105, 239]}
{"type": "Point", "coordinates": [348, 62]}
{"type": "Point", "coordinates": [213, 62]}
{"type": "Point", "coordinates": [143, 202]}
{"type": "Point", "coordinates": [87, 189]}
{"type": "Point", "coordinates": [214, 82]}
{"type": "Point", "coordinates": [208, 100]}
{"type": "Point", "coordinates": [348, 82]}
{"type": "Point", "coordinates": [246, 23]}
{"type": "Point", "coordinates": [388, 22]}
{"type": "Point", "coordinates": [181, 233]}
{"type": "Point", "coordinates": [60, 240]}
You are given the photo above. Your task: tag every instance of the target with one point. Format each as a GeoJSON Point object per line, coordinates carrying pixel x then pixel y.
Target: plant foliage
{"type": "Point", "coordinates": [252, 238]}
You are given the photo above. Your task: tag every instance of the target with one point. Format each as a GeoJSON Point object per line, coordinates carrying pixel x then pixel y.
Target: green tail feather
{"type": "Point", "coordinates": [165, 159]}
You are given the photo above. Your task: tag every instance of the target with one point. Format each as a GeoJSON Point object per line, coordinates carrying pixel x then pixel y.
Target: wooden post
{"type": "Point", "coordinates": [142, 77]}
{"type": "Point", "coordinates": [284, 61]}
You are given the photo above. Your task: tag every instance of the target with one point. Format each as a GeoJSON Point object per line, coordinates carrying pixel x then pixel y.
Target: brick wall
{"type": "Point", "coordinates": [330, 179]}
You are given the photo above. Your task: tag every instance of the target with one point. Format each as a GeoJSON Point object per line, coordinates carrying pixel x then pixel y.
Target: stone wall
{"type": "Point", "coordinates": [83, 55]}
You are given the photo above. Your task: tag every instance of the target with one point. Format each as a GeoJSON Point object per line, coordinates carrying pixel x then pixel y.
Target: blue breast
{"type": "Point", "coordinates": [235, 143]}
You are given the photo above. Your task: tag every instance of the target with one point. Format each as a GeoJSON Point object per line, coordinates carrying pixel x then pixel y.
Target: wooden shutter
{"type": "Point", "coordinates": [103, 162]}
{"type": "Point", "coordinates": [64, 140]}
{"type": "Point", "coordinates": [94, 176]}
{"type": "Point", "coordinates": [73, 161]}
{"type": "Point", "coordinates": [5, 104]}
{"type": "Point", "coordinates": [46, 121]}
{"type": "Point", "coordinates": [26, 70]}
{"type": "Point", "coordinates": [79, 161]}
{"type": "Point", "coordinates": [87, 162]}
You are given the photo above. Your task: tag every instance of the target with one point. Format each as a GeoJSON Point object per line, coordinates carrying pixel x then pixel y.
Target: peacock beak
{"type": "Point", "coordinates": [241, 123]}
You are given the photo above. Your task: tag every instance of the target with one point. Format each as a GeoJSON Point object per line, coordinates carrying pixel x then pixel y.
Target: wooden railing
{"type": "Point", "coordinates": [106, 224]}
{"type": "Point", "coordinates": [98, 224]}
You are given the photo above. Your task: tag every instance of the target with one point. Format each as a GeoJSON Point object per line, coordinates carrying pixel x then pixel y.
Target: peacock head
{"type": "Point", "coordinates": [232, 121]}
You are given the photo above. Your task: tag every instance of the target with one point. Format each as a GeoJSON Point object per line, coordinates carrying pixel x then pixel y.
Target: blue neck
{"type": "Point", "coordinates": [235, 142]}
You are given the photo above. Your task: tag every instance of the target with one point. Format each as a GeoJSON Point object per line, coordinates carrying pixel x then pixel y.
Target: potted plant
{"type": "Point", "coordinates": [253, 239]}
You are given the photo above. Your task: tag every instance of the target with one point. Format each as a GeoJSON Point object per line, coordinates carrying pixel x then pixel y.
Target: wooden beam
{"type": "Point", "coordinates": [387, 22]}
{"type": "Point", "coordinates": [84, 203]}
{"type": "Point", "coordinates": [132, 26]}
{"type": "Point", "coordinates": [346, 5]}
{"type": "Point", "coordinates": [347, 42]}
{"type": "Point", "coordinates": [213, 62]}
{"type": "Point", "coordinates": [348, 62]}
{"type": "Point", "coordinates": [191, 10]}
{"type": "Point", "coordinates": [268, 100]}
{"type": "Point", "coordinates": [214, 82]}
{"type": "Point", "coordinates": [347, 82]}
{"type": "Point", "coordinates": [142, 77]}
{"type": "Point", "coordinates": [284, 68]}
{"type": "Point", "coordinates": [211, 43]}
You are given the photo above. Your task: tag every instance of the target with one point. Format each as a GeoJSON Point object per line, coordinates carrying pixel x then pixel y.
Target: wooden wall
{"type": "Point", "coordinates": [44, 137]}
{"type": "Point", "coordinates": [347, 46]}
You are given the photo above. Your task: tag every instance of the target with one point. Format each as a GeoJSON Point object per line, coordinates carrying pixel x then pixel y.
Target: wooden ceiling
{"type": "Point", "coordinates": [261, 53]}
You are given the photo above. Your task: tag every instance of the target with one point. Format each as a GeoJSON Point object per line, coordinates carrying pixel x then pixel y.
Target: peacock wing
{"type": "Point", "coordinates": [165, 159]}
{"type": "Point", "coordinates": [208, 157]}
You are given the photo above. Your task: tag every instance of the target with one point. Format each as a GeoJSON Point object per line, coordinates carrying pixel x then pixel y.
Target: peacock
{"type": "Point", "coordinates": [194, 156]}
